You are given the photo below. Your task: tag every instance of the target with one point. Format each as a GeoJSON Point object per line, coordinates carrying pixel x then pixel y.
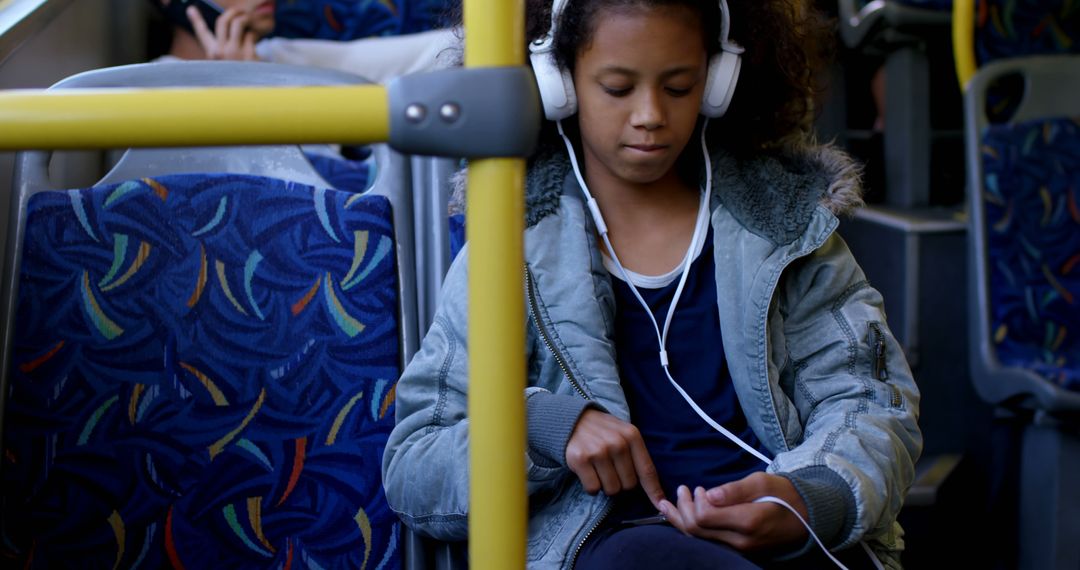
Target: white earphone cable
{"type": "Point", "coordinates": [661, 337]}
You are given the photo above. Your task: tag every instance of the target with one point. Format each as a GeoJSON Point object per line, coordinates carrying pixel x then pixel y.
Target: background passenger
{"type": "Point", "coordinates": [238, 32]}
{"type": "Point", "coordinates": [232, 36]}
{"type": "Point", "coordinates": [770, 327]}
{"type": "Point", "coordinates": [241, 33]}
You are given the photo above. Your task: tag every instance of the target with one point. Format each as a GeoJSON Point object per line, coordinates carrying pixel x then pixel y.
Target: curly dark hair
{"type": "Point", "coordinates": [788, 43]}
{"type": "Point", "coordinates": [577, 24]}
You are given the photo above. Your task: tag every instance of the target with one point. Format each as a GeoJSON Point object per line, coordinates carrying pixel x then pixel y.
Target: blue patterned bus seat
{"type": "Point", "coordinates": [203, 377]}
{"type": "Point", "coordinates": [1032, 200]}
{"type": "Point", "coordinates": [354, 19]}
{"type": "Point", "coordinates": [350, 175]}
{"type": "Point", "coordinates": [457, 234]}
{"type": "Point", "coordinates": [1016, 28]}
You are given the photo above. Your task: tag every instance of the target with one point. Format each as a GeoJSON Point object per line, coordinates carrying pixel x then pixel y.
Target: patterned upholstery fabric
{"type": "Point", "coordinates": [1032, 199]}
{"type": "Point", "coordinates": [457, 234]}
{"type": "Point", "coordinates": [342, 173]}
{"type": "Point", "coordinates": [353, 19]}
{"type": "Point", "coordinates": [1014, 28]}
{"type": "Point", "coordinates": [202, 377]}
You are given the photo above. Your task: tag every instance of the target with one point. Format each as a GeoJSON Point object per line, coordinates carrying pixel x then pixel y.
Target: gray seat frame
{"type": "Point", "coordinates": [1049, 496]}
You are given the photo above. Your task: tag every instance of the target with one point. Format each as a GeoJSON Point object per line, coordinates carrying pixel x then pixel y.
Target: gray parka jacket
{"type": "Point", "coordinates": [821, 380]}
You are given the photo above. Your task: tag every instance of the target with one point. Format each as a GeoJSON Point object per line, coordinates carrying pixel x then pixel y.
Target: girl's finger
{"type": "Point", "coordinates": [589, 480]}
{"type": "Point", "coordinates": [623, 464]}
{"type": "Point", "coordinates": [686, 511]}
{"type": "Point", "coordinates": [609, 476]}
{"type": "Point", "coordinates": [672, 514]}
{"type": "Point", "coordinates": [645, 471]}
{"type": "Point", "coordinates": [703, 510]}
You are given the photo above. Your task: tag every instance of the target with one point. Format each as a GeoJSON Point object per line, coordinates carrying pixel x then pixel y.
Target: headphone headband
{"type": "Point", "coordinates": [557, 86]}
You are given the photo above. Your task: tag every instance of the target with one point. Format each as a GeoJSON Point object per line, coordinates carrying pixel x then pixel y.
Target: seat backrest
{"type": "Point", "coordinates": [1024, 187]}
{"type": "Point", "coordinates": [201, 370]}
{"type": "Point", "coordinates": [1017, 28]}
{"type": "Point", "coordinates": [986, 31]}
{"type": "Point", "coordinates": [346, 20]}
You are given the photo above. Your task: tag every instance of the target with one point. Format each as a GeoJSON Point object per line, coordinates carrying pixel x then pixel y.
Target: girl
{"type": "Point", "coordinates": [701, 344]}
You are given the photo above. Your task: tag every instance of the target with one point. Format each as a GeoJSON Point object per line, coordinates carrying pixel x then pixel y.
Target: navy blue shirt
{"type": "Point", "coordinates": [685, 449]}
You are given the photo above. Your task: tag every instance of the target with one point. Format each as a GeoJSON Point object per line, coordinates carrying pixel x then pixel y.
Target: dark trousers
{"type": "Point", "coordinates": [663, 547]}
{"type": "Point", "coordinates": [656, 547]}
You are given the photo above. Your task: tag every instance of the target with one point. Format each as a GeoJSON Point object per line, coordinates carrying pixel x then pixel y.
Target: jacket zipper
{"type": "Point", "coordinates": [534, 312]}
{"type": "Point", "coordinates": [588, 535]}
{"type": "Point", "coordinates": [876, 339]}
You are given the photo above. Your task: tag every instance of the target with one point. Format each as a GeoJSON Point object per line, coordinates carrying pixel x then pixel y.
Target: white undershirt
{"type": "Point", "coordinates": [659, 281]}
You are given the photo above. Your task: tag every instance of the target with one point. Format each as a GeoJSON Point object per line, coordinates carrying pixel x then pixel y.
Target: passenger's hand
{"type": "Point", "coordinates": [728, 514]}
{"type": "Point", "coordinates": [231, 38]}
{"type": "Point", "coordinates": [609, 454]}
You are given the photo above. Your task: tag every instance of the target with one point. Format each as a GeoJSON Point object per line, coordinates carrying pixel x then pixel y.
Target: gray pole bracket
{"type": "Point", "coordinates": [473, 112]}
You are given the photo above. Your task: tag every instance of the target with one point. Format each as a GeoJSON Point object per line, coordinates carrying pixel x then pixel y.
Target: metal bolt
{"type": "Point", "coordinates": [415, 112]}
{"type": "Point", "coordinates": [450, 112]}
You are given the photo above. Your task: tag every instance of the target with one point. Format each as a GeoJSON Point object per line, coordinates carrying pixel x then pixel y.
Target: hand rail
{"type": "Point", "coordinates": [119, 118]}
{"type": "Point", "coordinates": [498, 503]}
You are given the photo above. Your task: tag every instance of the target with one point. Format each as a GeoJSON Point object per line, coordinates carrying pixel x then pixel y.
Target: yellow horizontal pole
{"type": "Point", "coordinates": [120, 118]}
{"type": "Point", "coordinates": [963, 22]}
{"type": "Point", "coordinates": [495, 37]}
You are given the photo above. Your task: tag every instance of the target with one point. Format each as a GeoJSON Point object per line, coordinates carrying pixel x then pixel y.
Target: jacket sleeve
{"type": "Point", "coordinates": [855, 394]}
{"type": "Point", "coordinates": [426, 461]}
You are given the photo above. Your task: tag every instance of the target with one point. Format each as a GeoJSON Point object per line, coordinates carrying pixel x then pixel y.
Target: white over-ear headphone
{"type": "Point", "coordinates": [557, 86]}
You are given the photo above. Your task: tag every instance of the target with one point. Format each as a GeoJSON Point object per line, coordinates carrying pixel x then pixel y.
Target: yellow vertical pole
{"type": "Point", "coordinates": [495, 37]}
{"type": "Point", "coordinates": [963, 28]}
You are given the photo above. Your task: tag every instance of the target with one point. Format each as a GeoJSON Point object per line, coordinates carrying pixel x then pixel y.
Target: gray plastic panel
{"type": "Point", "coordinates": [484, 112]}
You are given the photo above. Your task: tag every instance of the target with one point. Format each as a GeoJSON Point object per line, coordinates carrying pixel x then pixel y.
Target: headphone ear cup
{"type": "Point", "coordinates": [720, 83]}
{"type": "Point", "coordinates": [556, 86]}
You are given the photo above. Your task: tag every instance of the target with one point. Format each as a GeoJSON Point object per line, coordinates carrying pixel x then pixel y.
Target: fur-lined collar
{"type": "Point", "coordinates": [773, 195]}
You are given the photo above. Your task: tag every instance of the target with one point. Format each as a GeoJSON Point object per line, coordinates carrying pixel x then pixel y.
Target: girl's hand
{"type": "Point", "coordinates": [231, 38]}
{"type": "Point", "coordinates": [608, 453]}
{"type": "Point", "coordinates": [728, 514]}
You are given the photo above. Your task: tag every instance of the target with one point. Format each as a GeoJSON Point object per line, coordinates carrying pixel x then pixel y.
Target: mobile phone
{"type": "Point", "coordinates": [655, 519]}
{"type": "Point", "coordinates": [176, 12]}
